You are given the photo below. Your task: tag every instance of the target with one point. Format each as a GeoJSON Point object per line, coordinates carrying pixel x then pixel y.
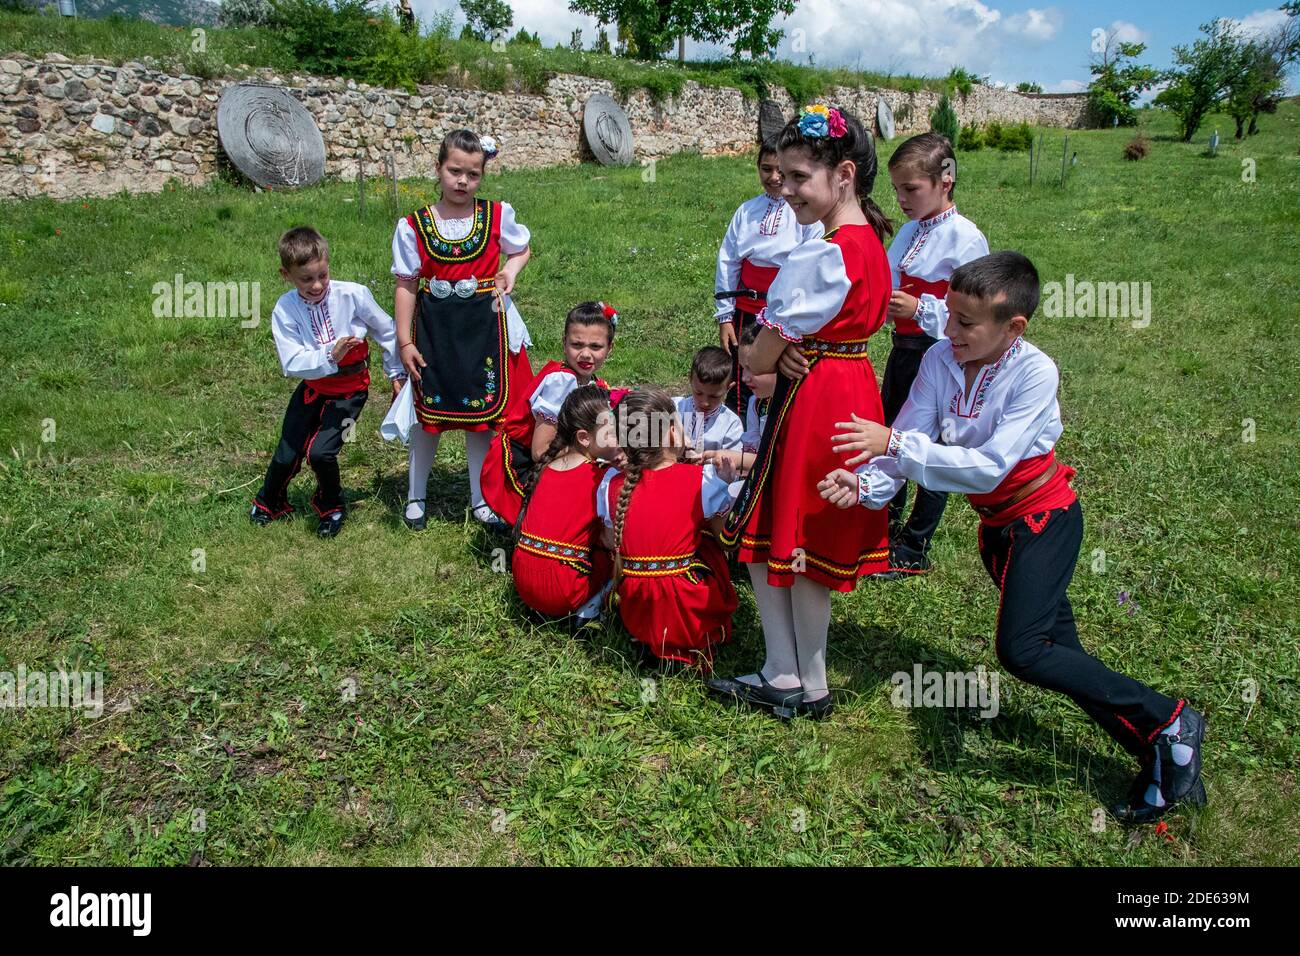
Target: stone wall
{"type": "Point", "coordinates": [91, 128]}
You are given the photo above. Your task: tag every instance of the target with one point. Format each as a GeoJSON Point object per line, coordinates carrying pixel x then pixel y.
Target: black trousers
{"type": "Point", "coordinates": [1032, 561]}
{"type": "Point", "coordinates": [738, 394]}
{"type": "Point", "coordinates": [913, 538]}
{"type": "Point", "coordinates": [312, 430]}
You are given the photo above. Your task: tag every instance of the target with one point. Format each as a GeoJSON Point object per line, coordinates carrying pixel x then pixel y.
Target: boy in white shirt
{"type": "Point", "coordinates": [982, 419]}
{"type": "Point", "coordinates": [708, 424]}
{"type": "Point", "coordinates": [320, 331]}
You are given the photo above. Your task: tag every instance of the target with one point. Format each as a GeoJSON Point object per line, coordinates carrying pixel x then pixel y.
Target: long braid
{"type": "Point", "coordinates": [554, 450]}
{"type": "Point", "coordinates": [653, 405]}
{"type": "Point", "coordinates": [581, 411]}
{"type": "Point", "coordinates": [631, 475]}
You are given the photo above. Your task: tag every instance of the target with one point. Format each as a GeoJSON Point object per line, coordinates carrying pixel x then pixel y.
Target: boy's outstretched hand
{"type": "Point", "coordinates": [840, 488]}
{"type": "Point", "coordinates": [867, 439]}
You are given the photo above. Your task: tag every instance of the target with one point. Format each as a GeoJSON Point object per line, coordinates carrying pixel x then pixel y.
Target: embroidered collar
{"type": "Point", "coordinates": [319, 303]}
{"type": "Point", "coordinates": [445, 250]}
{"type": "Point", "coordinates": [935, 220]}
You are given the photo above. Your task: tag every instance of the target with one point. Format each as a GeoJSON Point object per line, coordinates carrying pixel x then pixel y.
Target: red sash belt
{"type": "Point", "coordinates": [917, 287]}
{"type": "Point", "coordinates": [757, 278]}
{"type": "Point", "coordinates": [353, 376]}
{"type": "Point", "coordinates": [1014, 498]}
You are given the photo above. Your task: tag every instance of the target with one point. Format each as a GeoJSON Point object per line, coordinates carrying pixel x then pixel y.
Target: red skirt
{"type": "Point", "coordinates": [793, 529]}
{"type": "Point", "coordinates": [557, 588]}
{"type": "Point", "coordinates": [521, 377]}
{"type": "Point", "coordinates": [502, 489]}
{"type": "Point", "coordinates": [681, 616]}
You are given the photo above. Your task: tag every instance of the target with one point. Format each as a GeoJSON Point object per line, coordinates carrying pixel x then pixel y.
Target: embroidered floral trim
{"type": "Point", "coordinates": [895, 444]}
{"type": "Point", "coordinates": [924, 227]}
{"type": "Point", "coordinates": [855, 349]}
{"type": "Point", "coordinates": [770, 225]}
{"type": "Point", "coordinates": [565, 551]}
{"type": "Point", "coordinates": [987, 378]}
{"type": "Point", "coordinates": [439, 248]}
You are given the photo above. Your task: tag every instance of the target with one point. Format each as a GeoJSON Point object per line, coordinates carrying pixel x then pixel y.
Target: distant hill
{"type": "Point", "coordinates": [177, 13]}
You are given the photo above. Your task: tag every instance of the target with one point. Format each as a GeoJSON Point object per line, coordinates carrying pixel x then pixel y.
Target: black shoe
{"type": "Point", "coordinates": [261, 517]}
{"type": "Point", "coordinates": [1177, 783]}
{"type": "Point", "coordinates": [903, 564]}
{"type": "Point", "coordinates": [330, 524]}
{"type": "Point", "coordinates": [416, 524]}
{"type": "Point", "coordinates": [817, 709]}
{"type": "Point", "coordinates": [489, 519]}
{"type": "Point", "coordinates": [784, 703]}
{"type": "Point", "coordinates": [1135, 811]}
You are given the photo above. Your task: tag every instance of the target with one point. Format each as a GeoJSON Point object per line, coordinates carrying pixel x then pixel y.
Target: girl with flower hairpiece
{"type": "Point", "coordinates": [530, 426]}
{"type": "Point", "coordinates": [761, 234]}
{"type": "Point", "coordinates": [825, 302]}
{"type": "Point", "coordinates": [462, 340]}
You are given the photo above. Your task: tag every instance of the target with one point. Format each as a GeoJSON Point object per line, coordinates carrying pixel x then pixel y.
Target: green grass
{"type": "Point", "coordinates": [518, 67]}
{"type": "Point", "coordinates": [466, 716]}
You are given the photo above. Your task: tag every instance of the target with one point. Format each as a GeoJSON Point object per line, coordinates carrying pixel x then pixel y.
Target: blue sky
{"type": "Point", "coordinates": [1046, 43]}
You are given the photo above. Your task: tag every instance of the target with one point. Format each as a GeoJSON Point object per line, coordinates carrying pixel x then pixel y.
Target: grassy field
{"type": "Point", "coordinates": [476, 738]}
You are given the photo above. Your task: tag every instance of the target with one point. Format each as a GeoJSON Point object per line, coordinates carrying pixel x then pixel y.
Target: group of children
{"type": "Point", "coordinates": [631, 499]}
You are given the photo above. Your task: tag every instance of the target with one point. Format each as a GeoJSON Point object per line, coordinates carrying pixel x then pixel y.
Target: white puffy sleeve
{"type": "Point", "coordinates": [919, 456]}
{"type": "Point", "coordinates": [604, 509]}
{"type": "Point", "coordinates": [406, 253]}
{"type": "Point", "coordinates": [808, 292]}
{"type": "Point", "coordinates": [727, 275]}
{"type": "Point", "coordinates": [715, 494]}
{"type": "Point", "coordinates": [514, 234]}
{"type": "Point", "coordinates": [549, 396]}
{"type": "Point", "coordinates": [814, 230]}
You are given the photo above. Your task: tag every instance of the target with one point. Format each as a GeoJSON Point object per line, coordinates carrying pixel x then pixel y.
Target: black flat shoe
{"type": "Point", "coordinates": [261, 517]}
{"type": "Point", "coordinates": [783, 703]}
{"type": "Point", "coordinates": [1135, 811]}
{"type": "Point", "coordinates": [818, 709]}
{"type": "Point", "coordinates": [330, 525]}
{"type": "Point", "coordinates": [1176, 782]}
{"type": "Point", "coordinates": [416, 524]}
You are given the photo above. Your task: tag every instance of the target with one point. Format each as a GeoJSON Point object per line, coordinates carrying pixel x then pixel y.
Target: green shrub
{"type": "Point", "coordinates": [971, 137]}
{"type": "Point", "coordinates": [944, 120]}
{"type": "Point", "coordinates": [327, 37]}
{"type": "Point", "coordinates": [402, 60]}
{"type": "Point", "coordinates": [1016, 138]}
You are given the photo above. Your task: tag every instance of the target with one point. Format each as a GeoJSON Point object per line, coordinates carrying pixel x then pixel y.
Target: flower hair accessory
{"type": "Point", "coordinates": [610, 313]}
{"type": "Point", "coordinates": [819, 121]}
{"type": "Point", "coordinates": [490, 148]}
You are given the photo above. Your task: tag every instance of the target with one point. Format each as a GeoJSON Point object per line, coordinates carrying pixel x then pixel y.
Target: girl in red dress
{"type": "Point", "coordinates": [531, 424]}
{"type": "Point", "coordinates": [831, 294]}
{"type": "Point", "coordinates": [559, 563]}
{"type": "Point", "coordinates": [673, 585]}
{"type": "Point", "coordinates": [462, 340]}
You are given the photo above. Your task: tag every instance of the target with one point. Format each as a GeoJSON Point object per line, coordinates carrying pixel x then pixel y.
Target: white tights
{"type": "Point", "coordinates": [424, 447]}
{"type": "Point", "coordinates": [795, 622]}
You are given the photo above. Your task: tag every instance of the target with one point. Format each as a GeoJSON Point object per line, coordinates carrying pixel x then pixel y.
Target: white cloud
{"type": "Point", "coordinates": [1126, 32]}
{"type": "Point", "coordinates": [1036, 26]}
{"type": "Point", "coordinates": [1260, 23]}
{"type": "Point", "coordinates": [1067, 86]}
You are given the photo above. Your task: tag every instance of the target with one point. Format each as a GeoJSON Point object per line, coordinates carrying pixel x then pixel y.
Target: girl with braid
{"type": "Point", "coordinates": [670, 577]}
{"type": "Point", "coordinates": [559, 564]}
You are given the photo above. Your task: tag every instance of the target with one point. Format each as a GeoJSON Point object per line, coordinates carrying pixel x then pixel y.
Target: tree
{"type": "Point", "coordinates": [1261, 80]}
{"type": "Point", "coordinates": [244, 13]}
{"type": "Point", "coordinates": [487, 19]}
{"type": "Point", "coordinates": [944, 120]}
{"type": "Point", "coordinates": [1201, 79]}
{"type": "Point", "coordinates": [575, 40]}
{"type": "Point", "coordinates": [1118, 81]}
{"type": "Point", "coordinates": [653, 26]}
{"type": "Point", "coordinates": [1029, 87]}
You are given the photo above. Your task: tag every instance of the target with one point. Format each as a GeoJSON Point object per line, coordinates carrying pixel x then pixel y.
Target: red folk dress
{"type": "Point", "coordinates": [509, 460]}
{"type": "Point", "coordinates": [830, 296]}
{"type": "Point", "coordinates": [558, 563]}
{"type": "Point", "coordinates": [675, 594]}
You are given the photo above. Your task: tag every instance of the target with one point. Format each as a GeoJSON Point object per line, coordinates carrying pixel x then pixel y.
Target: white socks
{"type": "Point", "coordinates": [1182, 756]}
{"type": "Point", "coordinates": [781, 669]}
{"type": "Point", "coordinates": [424, 448]}
{"type": "Point", "coordinates": [476, 449]}
{"type": "Point", "coordinates": [811, 604]}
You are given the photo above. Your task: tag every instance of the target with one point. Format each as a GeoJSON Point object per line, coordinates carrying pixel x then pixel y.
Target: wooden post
{"type": "Point", "coordinates": [1065, 149]}
{"type": "Point", "coordinates": [392, 172]}
{"type": "Point", "coordinates": [361, 188]}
